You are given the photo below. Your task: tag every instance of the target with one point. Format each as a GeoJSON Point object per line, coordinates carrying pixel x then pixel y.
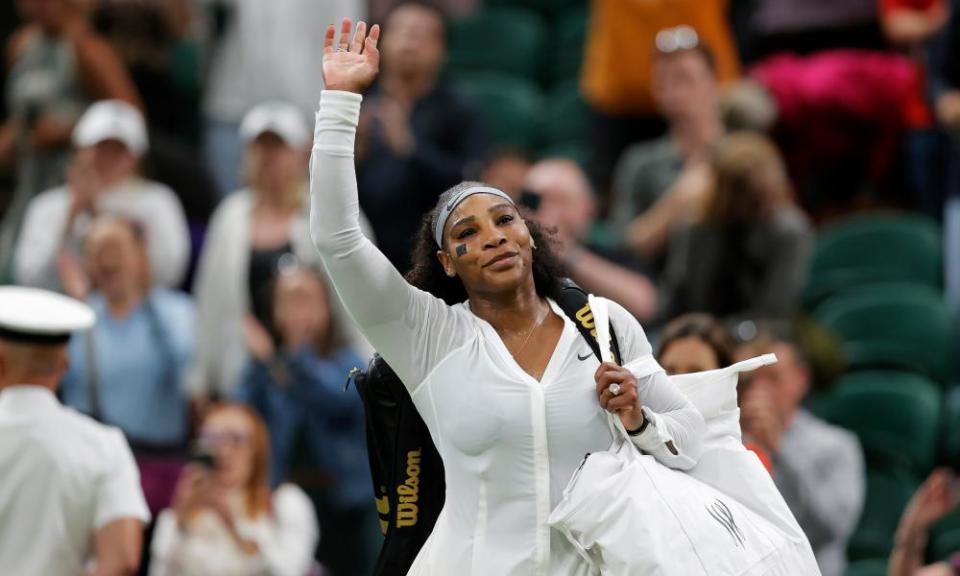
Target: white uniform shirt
{"type": "Point", "coordinates": [150, 204]}
{"type": "Point", "coordinates": [509, 443]}
{"type": "Point", "coordinates": [63, 476]}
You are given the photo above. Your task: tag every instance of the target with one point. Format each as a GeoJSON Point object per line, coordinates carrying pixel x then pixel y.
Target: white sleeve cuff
{"type": "Point", "coordinates": [643, 367]}
{"type": "Point", "coordinates": [655, 436]}
{"type": "Point", "coordinates": [339, 105]}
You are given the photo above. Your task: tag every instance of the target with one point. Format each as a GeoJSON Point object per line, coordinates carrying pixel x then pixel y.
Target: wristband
{"type": "Point", "coordinates": [639, 431]}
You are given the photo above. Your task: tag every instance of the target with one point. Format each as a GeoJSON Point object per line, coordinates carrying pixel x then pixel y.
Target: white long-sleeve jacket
{"type": "Point", "coordinates": [509, 442]}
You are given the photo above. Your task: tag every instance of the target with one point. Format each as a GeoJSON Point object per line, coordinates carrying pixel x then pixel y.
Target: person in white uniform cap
{"type": "Point", "coordinates": [70, 496]}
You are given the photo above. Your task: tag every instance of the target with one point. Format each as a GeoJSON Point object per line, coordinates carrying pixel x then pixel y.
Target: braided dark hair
{"type": "Point", "coordinates": [428, 275]}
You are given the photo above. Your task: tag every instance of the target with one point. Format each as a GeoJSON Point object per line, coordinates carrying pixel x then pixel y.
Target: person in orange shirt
{"type": "Point", "coordinates": [618, 61]}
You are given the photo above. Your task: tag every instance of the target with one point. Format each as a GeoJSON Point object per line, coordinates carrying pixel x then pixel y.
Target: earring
{"type": "Point", "coordinates": [533, 244]}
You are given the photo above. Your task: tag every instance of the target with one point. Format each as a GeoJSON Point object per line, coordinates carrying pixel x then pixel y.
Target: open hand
{"type": "Point", "coordinates": [259, 342]}
{"type": "Point", "coordinates": [351, 65]}
{"type": "Point", "coordinates": [759, 420]}
{"type": "Point", "coordinates": [931, 502]}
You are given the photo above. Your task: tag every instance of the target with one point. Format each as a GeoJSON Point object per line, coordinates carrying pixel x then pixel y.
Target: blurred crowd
{"type": "Point", "coordinates": [743, 176]}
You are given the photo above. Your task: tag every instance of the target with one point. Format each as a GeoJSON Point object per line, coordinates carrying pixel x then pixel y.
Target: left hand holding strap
{"type": "Point", "coordinates": [616, 386]}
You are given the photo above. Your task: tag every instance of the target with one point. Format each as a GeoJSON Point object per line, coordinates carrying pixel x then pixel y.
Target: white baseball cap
{"type": "Point", "coordinates": [35, 316]}
{"type": "Point", "coordinates": [281, 118]}
{"type": "Point", "coordinates": [112, 120]}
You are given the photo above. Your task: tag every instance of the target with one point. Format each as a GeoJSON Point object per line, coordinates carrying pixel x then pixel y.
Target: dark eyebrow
{"type": "Point", "coordinates": [463, 220]}
{"type": "Point", "coordinates": [468, 219]}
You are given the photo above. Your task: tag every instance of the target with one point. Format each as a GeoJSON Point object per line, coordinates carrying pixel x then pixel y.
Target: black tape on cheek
{"type": "Point", "coordinates": [461, 250]}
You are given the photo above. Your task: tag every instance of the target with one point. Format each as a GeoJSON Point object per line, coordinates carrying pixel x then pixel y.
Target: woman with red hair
{"type": "Point", "coordinates": [224, 518]}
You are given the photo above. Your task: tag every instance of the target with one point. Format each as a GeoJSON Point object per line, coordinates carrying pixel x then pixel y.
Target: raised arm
{"type": "Point", "coordinates": [410, 328]}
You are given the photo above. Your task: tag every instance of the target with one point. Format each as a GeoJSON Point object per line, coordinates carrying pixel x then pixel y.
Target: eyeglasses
{"type": "Point", "coordinates": [670, 40]}
{"type": "Point", "coordinates": [223, 438]}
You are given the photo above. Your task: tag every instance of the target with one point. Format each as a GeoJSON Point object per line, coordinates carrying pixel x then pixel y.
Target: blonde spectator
{"type": "Point", "coordinates": [253, 234]}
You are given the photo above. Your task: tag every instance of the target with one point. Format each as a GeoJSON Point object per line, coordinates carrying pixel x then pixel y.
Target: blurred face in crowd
{"type": "Point", "coordinates": [507, 172]}
{"type": "Point", "coordinates": [487, 245]}
{"type": "Point", "coordinates": [111, 161]}
{"type": "Point", "coordinates": [116, 259]}
{"type": "Point", "coordinates": [229, 434]}
{"type": "Point", "coordinates": [566, 198]}
{"type": "Point", "coordinates": [273, 166]}
{"type": "Point", "coordinates": [787, 381]}
{"type": "Point", "coordinates": [414, 41]}
{"type": "Point", "coordinates": [301, 310]}
{"type": "Point", "coordinates": [48, 14]}
{"type": "Point", "coordinates": [684, 86]}
{"type": "Point", "coordinates": [687, 355]}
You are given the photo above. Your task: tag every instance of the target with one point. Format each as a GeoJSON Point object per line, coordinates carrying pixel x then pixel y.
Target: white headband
{"type": "Point", "coordinates": [459, 197]}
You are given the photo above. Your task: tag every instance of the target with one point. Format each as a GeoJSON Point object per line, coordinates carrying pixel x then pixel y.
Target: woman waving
{"type": "Point", "coordinates": [511, 393]}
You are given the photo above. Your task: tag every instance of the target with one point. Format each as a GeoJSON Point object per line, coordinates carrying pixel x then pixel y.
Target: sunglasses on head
{"type": "Point", "coordinates": [670, 40]}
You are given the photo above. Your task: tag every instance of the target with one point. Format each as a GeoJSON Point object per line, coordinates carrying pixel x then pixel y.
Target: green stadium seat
{"type": "Point", "coordinates": [567, 42]}
{"type": "Point", "coordinates": [887, 496]}
{"type": "Point", "coordinates": [504, 40]}
{"type": "Point", "coordinates": [869, 249]}
{"type": "Point", "coordinates": [872, 567]}
{"type": "Point", "coordinates": [896, 416]}
{"type": "Point", "coordinates": [951, 427]}
{"type": "Point", "coordinates": [511, 107]}
{"type": "Point", "coordinates": [892, 326]}
{"type": "Point", "coordinates": [564, 120]}
{"type": "Point", "coordinates": [945, 545]}
{"type": "Point", "coordinates": [945, 537]}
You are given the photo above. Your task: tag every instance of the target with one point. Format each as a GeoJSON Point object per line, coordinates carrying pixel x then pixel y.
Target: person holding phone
{"type": "Point", "coordinates": [225, 519]}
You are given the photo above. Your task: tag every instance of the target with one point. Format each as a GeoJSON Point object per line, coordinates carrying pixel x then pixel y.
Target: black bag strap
{"type": "Point", "coordinates": [574, 302]}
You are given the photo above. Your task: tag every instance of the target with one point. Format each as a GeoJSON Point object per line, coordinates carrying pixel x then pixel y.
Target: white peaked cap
{"type": "Point", "coordinates": [112, 120]}
{"type": "Point", "coordinates": [35, 316]}
{"type": "Point", "coordinates": [281, 118]}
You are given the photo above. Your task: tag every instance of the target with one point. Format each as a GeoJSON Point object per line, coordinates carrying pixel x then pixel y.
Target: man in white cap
{"type": "Point", "coordinates": [70, 496]}
{"type": "Point", "coordinates": [110, 138]}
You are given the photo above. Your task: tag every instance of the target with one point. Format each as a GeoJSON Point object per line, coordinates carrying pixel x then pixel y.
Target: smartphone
{"type": "Point", "coordinates": [530, 200]}
{"type": "Point", "coordinates": [202, 457]}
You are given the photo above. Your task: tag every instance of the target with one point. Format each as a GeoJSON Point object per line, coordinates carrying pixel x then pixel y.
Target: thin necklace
{"type": "Point", "coordinates": [533, 329]}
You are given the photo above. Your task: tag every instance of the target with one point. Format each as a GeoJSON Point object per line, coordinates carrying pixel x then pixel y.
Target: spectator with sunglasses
{"type": "Point", "coordinates": [128, 371]}
{"type": "Point", "coordinates": [656, 179]}
{"type": "Point", "coordinates": [225, 519]}
{"type": "Point", "coordinates": [619, 68]}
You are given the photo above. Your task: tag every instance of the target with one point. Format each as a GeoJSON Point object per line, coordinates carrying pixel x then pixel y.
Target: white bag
{"type": "Point", "coordinates": [725, 463]}
{"type": "Point", "coordinates": [628, 515]}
